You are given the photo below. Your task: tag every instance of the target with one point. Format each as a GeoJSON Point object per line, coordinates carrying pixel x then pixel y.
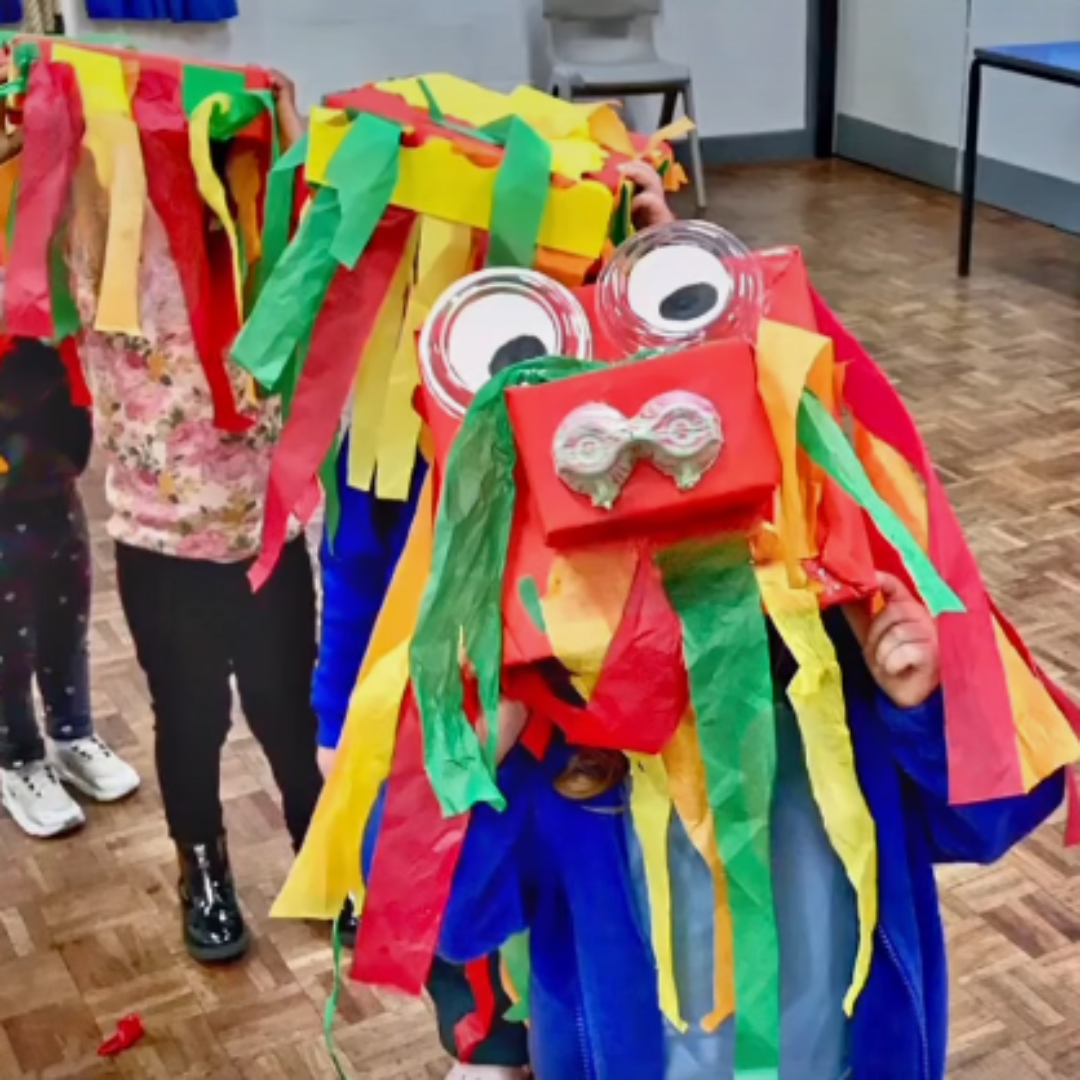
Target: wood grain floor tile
{"type": "Point", "coordinates": [991, 369]}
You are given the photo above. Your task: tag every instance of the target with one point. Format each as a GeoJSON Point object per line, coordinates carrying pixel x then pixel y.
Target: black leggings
{"type": "Point", "coordinates": [196, 625]}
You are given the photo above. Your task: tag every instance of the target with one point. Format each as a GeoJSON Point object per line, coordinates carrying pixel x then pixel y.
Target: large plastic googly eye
{"type": "Point", "coordinates": [674, 285]}
{"type": "Point", "coordinates": [492, 320]}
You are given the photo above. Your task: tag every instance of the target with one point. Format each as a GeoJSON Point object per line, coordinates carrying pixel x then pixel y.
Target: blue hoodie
{"type": "Point", "coordinates": [571, 876]}
{"type": "Point", "coordinates": [357, 566]}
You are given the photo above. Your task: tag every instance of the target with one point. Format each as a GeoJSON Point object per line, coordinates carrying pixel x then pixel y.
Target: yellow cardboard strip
{"type": "Point", "coordinates": [817, 696]}
{"type": "Point", "coordinates": [327, 868]}
{"type": "Point", "coordinates": [438, 179]}
{"type": "Point", "coordinates": [650, 807]}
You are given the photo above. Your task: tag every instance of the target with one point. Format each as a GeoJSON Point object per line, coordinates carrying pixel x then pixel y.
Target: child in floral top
{"type": "Point", "coordinates": [186, 503]}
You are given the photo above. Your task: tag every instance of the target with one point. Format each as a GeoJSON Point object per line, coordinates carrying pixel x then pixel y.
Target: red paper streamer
{"type": "Point", "coordinates": [53, 130]}
{"type": "Point", "coordinates": [174, 193]}
{"type": "Point", "coordinates": [353, 303]}
{"type": "Point", "coordinates": [984, 760]}
{"type": "Point", "coordinates": [413, 870]}
{"type": "Point", "coordinates": [80, 391]}
{"type": "Point", "coordinates": [473, 1029]}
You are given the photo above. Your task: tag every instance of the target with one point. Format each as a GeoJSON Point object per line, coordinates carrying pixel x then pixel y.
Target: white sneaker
{"type": "Point", "coordinates": [487, 1072]}
{"type": "Point", "coordinates": [89, 765]}
{"type": "Point", "coordinates": [35, 798]}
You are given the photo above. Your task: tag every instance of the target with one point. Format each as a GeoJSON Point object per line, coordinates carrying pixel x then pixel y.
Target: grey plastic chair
{"type": "Point", "coordinates": [607, 48]}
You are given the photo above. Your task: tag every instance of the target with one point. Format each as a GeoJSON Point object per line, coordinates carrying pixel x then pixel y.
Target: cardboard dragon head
{"type": "Point", "coordinates": [631, 479]}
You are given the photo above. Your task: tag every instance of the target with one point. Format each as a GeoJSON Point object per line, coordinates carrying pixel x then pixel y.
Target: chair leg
{"type": "Point", "coordinates": [667, 110]}
{"type": "Point", "coordinates": [697, 162]}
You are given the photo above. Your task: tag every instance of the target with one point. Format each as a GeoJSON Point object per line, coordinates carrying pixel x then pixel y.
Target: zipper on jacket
{"type": "Point", "coordinates": [588, 1071]}
{"type": "Point", "coordinates": [924, 1046]}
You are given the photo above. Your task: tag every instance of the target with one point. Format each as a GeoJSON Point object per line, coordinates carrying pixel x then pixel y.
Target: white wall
{"type": "Point", "coordinates": [901, 65]}
{"type": "Point", "coordinates": [748, 57]}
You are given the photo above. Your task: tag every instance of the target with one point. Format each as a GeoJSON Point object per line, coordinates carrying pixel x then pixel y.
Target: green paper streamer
{"type": "Point", "coordinates": [278, 207]}
{"type": "Point", "coordinates": [463, 598]}
{"type": "Point", "coordinates": [292, 297]}
{"type": "Point", "coordinates": [332, 1003]}
{"type": "Point", "coordinates": [529, 592]}
{"type": "Point", "coordinates": [520, 197]}
{"type": "Point", "coordinates": [725, 640]}
{"type": "Point", "coordinates": [437, 116]}
{"type": "Point", "coordinates": [203, 82]}
{"type": "Point", "coordinates": [328, 477]}
{"type": "Point", "coordinates": [65, 312]}
{"type": "Point", "coordinates": [824, 441]}
{"type": "Point", "coordinates": [365, 172]}
{"type": "Point", "coordinates": [515, 957]}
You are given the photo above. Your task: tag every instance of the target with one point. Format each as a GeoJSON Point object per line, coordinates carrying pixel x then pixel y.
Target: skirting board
{"type": "Point", "coordinates": [1032, 195]}
{"type": "Point", "coordinates": [757, 149]}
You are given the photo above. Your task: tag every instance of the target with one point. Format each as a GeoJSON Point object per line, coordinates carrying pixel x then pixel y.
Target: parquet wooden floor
{"type": "Point", "coordinates": [88, 927]}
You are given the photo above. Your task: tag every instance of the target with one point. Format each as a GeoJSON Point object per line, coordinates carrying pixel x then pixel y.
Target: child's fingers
{"type": "Point", "coordinates": [910, 656]}
{"type": "Point", "coordinates": [893, 651]}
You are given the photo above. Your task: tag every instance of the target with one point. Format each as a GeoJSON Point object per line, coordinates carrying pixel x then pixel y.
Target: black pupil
{"type": "Point", "coordinates": [689, 302]}
{"type": "Point", "coordinates": [516, 351]}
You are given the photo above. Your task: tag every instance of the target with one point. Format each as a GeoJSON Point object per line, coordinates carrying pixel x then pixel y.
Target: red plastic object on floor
{"type": "Point", "coordinates": [128, 1032]}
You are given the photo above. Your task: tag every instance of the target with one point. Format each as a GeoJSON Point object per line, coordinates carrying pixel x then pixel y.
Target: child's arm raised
{"type": "Point", "coordinates": [900, 647]}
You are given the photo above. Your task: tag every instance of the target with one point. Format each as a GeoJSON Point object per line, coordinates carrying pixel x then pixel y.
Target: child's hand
{"type": "Point", "coordinates": [650, 203]}
{"type": "Point", "coordinates": [900, 644]}
{"type": "Point", "coordinates": [326, 757]}
{"type": "Point", "coordinates": [11, 142]}
{"type": "Point", "coordinates": [290, 122]}
{"type": "Point", "coordinates": [513, 716]}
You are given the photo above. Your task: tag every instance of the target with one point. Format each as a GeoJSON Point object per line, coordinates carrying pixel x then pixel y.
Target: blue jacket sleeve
{"type": "Point", "coordinates": [979, 833]}
{"type": "Point", "coordinates": [356, 567]}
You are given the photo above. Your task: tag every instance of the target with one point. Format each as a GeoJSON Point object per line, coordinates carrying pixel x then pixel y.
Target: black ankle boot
{"type": "Point", "coordinates": [214, 930]}
{"type": "Point", "coordinates": [348, 925]}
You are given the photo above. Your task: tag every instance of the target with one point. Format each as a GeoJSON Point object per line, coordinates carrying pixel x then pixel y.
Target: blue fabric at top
{"type": "Point", "coordinates": [356, 572]}
{"type": "Point", "coordinates": [564, 870]}
{"type": "Point", "coordinates": [179, 11]}
{"type": "Point", "coordinates": [11, 11]}
{"type": "Point", "coordinates": [1062, 55]}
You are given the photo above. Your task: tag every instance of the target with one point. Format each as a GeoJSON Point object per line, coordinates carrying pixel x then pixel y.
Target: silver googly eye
{"type": "Point", "coordinates": [490, 321]}
{"type": "Point", "coordinates": [674, 285]}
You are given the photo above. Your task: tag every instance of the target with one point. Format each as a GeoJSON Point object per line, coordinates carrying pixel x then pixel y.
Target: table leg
{"type": "Point", "coordinates": [971, 164]}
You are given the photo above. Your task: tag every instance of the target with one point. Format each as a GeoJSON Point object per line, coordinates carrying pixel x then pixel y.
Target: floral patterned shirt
{"type": "Point", "coordinates": [176, 484]}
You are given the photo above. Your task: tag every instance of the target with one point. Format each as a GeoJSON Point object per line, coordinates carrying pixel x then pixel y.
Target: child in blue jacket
{"type": "Point", "coordinates": [563, 863]}
{"type": "Point", "coordinates": [358, 563]}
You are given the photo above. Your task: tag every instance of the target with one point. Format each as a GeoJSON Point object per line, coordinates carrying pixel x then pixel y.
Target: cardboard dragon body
{"type": "Point", "coordinates": [629, 480]}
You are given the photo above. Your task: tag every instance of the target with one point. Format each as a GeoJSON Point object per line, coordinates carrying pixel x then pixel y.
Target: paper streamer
{"type": "Point", "coordinates": [53, 130]}
{"type": "Point", "coordinates": [113, 140]}
{"type": "Point", "coordinates": [412, 873]}
{"type": "Point", "coordinates": [650, 807]}
{"type": "Point", "coordinates": [984, 761]}
{"type": "Point", "coordinates": [328, 866]}
{"type": "Point", "coordinates": [353, 304]}
{"type": "Point", "coordinates": [517, 975]}
{"type": "Point", "coordinates": [825, 442]}
{"type": "Point", "coordinates": [689, 795]}
{"type": "Point", "coordinates": [520, 197]}
{"type": "Point", "coordinates": [817, 696]}
{"type": "Point", "coordinates": [713, 590]}
{"type": "Point", "coordinates": [174, 193]}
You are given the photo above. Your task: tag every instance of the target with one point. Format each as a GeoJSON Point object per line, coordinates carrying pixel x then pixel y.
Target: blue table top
{"type": "Point", "coordinates": [1062, 55]}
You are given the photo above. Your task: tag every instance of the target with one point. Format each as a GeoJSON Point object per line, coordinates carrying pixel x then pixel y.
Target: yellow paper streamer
{"type": "Point", "coordinates": [687, 787]}
{"type": "Point", "coordinates": [373, 376]}
{"type": "Point", "coordinates": [817, 696]}
{"type": "Point", "coordinates": [650, 807]}
{"type": "Point", "coordinates": [10, 172]}
{"type": "Point", "coordinates": [786, 358]}
{"type": "Point", "coordinates": [443, 257]}
{"type": "Point", "coordinates": [245, 182]}
{"type": "Point", "coordinates": [113, 140]}
{"type": "Point", "coordinates": [328, 866]}
{"type": "Point", "coordinates": [210, 185]}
